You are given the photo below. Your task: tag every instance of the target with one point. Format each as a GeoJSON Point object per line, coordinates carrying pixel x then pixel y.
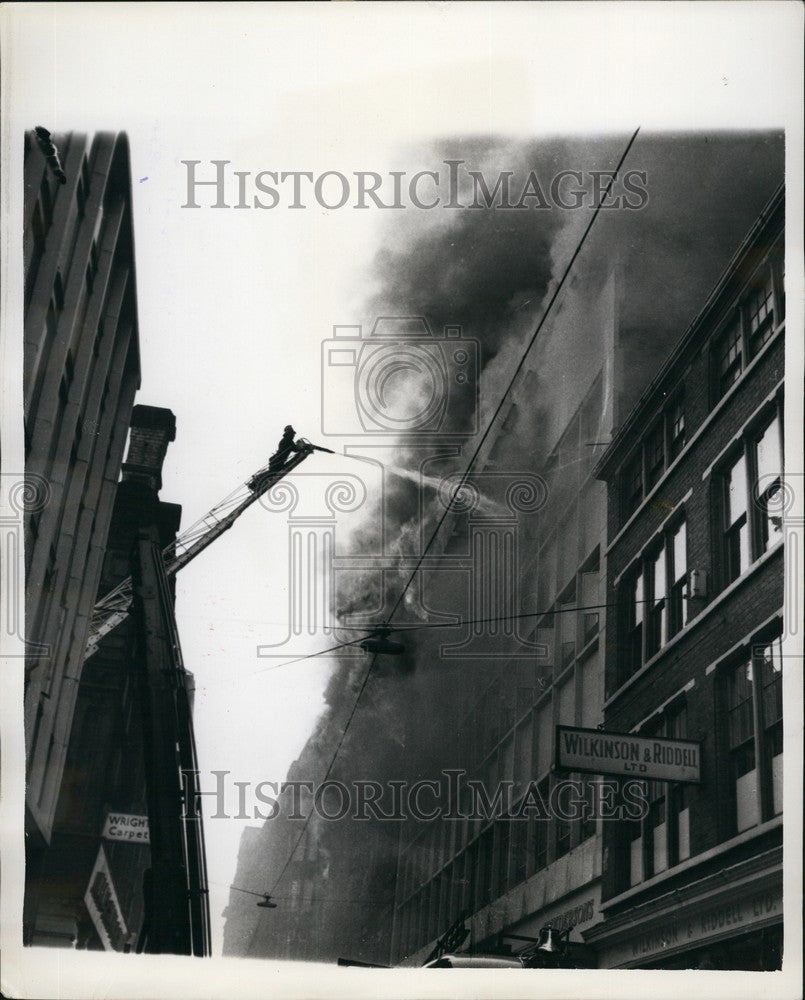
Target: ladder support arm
{"type": "Point", "coordinates": [114, 608]}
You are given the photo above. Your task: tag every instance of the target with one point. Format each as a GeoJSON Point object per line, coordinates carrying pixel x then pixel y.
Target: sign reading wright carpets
{"type": "Point", "coordinates": [103, 906]}
{"type": "Point", "coordinates": [125, 826]}
{"type": "Point", "coordinates": [625, 754]}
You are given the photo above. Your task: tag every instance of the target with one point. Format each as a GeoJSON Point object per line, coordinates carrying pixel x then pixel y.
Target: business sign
{"type": "Point", "coordinates": [627, 755]}
{"type": "Point", "coordinates": [735, 910]}
{"type": "Point", "coordinates": [125, 826]}
{"type": "Point", "coordinates": [103, 907]}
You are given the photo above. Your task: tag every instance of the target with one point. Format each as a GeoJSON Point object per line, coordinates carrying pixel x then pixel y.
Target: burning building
{"type": "Point", "coordinates": [505, 593]}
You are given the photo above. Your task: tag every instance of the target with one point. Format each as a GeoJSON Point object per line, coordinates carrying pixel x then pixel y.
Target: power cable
{"type": "Point", "coordinates": [431, 625]}
{"type": "Point", "coordinates": [456, 492]}
{"type": "Point", "coordinates": [318, 899]}
{"type": "Point", "coordinates": [518, 369]}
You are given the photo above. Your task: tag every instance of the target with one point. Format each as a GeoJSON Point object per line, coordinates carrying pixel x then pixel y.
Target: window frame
{"type": "Point", "coordinates": [756, 515]}
{"type": "Point", "coordinates": [667, 802]}
{"type": "Point", "coordinates": [728, 366]}
{"type": "Point", "coordinates": [766, 732]}
{"type": "Point", "coordinates": [654, 448]}
{"type": "Point", "coordinates": [653, 456]}
{"type": "Point", "coordinates": [632, 484]}
{"type": "Point", "coordinates": [647, 633]}
{"type": "Point", "coordinates": [766, 276]}
{"type": "Point", "coordinates": [675, 416]}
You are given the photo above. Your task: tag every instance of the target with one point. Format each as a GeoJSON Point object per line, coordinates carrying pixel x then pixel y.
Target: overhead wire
{"type": "Point", "coordinates": [564, 609]}
{"type": "Point", "coordinates": [318, 899]}
{"type": "Point", "coordinates": [532, 340]}
{"type": "Point", "coordinates": [456, 492]}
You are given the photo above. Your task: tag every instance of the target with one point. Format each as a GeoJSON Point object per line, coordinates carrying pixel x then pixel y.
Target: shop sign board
{"type": "Point", "coordinates": [127, 827]}
{"type": "Point", "coordinates": [739, 910]}
{"type": "Point", "coordinates": [627, 755]}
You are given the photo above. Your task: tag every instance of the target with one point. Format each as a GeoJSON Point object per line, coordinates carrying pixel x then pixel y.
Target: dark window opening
{"type": "Point", "coordinates": [729, 357]}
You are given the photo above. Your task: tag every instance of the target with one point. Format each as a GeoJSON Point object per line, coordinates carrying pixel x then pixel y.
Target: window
{"type": "Point", "coordinates": [728, 355]}
{"type": "Point", "coordinates": [769, 468]}
{"type": "Point", "coordinates": [58, 290]}
{"type": "Point", "coordinates": [655, 455]}
{"type": "Point", "coordinates": [676, 428]}
{"type": "Point", "coordinates": [736, 530]}
{"type": "Point", "coordinates": [38, 230]}
{"type": "Point", "coordinates": [676, 728]}
{"type": "Point", "coordinates": [760, 315]}
{"type": "Point", "coordinates": [539, 829]}
{"type": "Point", "coordinates": [81, 197]}
{"type": "Point", "coordinates": [678, 578]}
{"type": "Point", "coordinates": [587, 823]}
{"type": "Point", "coordinates": [519, 849]}
{"type": "Point", "coordinates": [661, 839]}
{"type": "Point", "coordinates": [655, 830]}
{"type": "Point", "coordinates": [750, 493]}
{"type": "Point", "coordinates": [633, 485]}
{"type": "Point", "coordinates": [634, 623]}
{"type": "Point", "coordinates": [635, 846]}
{"type": "Point", "coordinates": [750, 327]}
{"type": "Point", "coordinates": [484, 868]}
{"type": "Point", "coordinates": [46, 202]}
{"type": "Point", "coordinates": [502, 846]}
{"type": "Point", "coordinates": [92, 267]}
{"type": "Point", "coordinates": [523, 741]}
{"type": "Point", "coordinates": [590, 626]}
{"type": "Point", "coordinates": [770, 661]}
{"type": "Point", "coordinates": [567, 620]}
{"type": "Point", "coordinates": [660, 447]}
{"type": "Point", "coordinates": [659, 583]}
{"type": "Point", "coordinates": [755, 734]}
{"type": "Point", "coordinates": [657, 611]}
{"type": "Point", "coordinates": [562, 829]}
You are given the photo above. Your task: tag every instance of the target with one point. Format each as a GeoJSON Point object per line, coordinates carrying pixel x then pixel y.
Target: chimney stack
{"type": "Point", "coordinates": [152, 429]}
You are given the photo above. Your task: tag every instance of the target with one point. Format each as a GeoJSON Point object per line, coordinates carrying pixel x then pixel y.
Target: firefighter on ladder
{"type": "Point", "coordinates": [284, 450]}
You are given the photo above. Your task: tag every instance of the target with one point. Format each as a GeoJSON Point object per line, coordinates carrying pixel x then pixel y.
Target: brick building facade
{"type": "Point", "coordinates": [696, 514]}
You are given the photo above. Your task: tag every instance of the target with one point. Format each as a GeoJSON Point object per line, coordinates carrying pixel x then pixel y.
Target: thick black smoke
{"type": "Point", "coordinates": [491, 271]}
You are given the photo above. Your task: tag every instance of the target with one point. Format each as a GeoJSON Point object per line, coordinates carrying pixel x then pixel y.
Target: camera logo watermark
{"type": "Point", "coordinates": [400, 380]}
{"type": "Point", "coordinates": [781, 518]}
{"type": "Point", "coordinates": [403, 385]}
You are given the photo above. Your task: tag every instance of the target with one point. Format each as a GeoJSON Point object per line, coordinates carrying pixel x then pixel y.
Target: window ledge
{"type": "Point", "coordinates": [711, 416]}
{"type": "Point", "coordinates": [699, 859]}
{"type": "Point", "coordinates": [687, 629]}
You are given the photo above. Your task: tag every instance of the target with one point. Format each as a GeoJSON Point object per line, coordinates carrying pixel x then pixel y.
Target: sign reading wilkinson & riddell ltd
{"type": "Point", "coordinates": [627, 755]}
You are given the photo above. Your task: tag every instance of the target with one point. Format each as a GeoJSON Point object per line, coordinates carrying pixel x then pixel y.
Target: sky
{"type": "Point", "coordinates": [234, 305]}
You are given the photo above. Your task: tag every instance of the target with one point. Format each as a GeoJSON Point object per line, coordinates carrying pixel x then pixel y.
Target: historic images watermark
{"type": "Point", "coordinates": [451, 797]}
{"type": "Point", "coordinates": [452, 185]}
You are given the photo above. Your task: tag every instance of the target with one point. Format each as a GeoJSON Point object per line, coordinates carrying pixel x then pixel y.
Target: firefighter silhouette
{"type": "Point", "coordinates": [284, 449]}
